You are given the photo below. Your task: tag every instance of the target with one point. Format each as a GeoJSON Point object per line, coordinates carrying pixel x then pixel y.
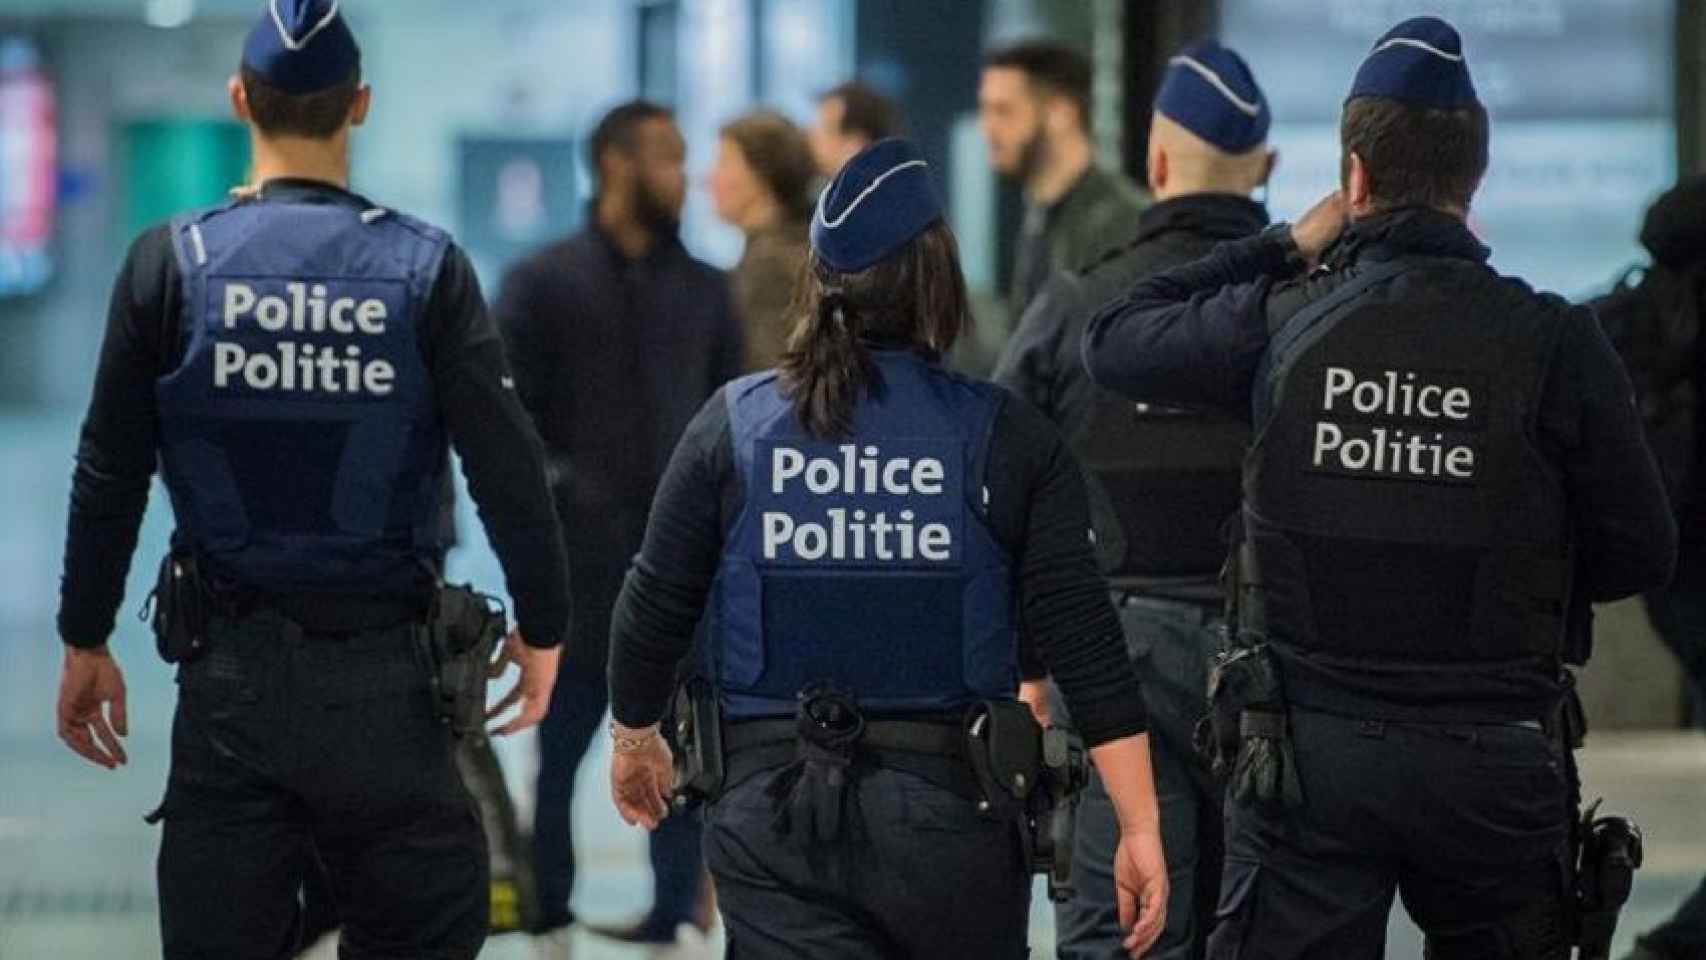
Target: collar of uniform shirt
{"type": "Point", "coordinates": [1407, 230]}
{"type": "Point", "coordinates": [1219, 215]}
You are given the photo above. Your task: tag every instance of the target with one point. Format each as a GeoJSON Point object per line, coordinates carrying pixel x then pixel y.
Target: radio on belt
{"type": "Point", "coordinates": [1395, 424]}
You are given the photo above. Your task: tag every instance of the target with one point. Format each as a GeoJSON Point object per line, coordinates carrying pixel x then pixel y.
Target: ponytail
{"type": "Point", "coordinates": [914, 299]}
{"type": "Point", "coordinates": [826, 367]}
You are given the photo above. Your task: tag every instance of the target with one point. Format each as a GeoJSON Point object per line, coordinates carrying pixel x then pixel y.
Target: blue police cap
{"type": "Point", "coordinates": [302, 46]}
{"type": "Point", "coordinates": [878, 202]}
{"type": "Point", "coordinates": [1210, 91]}
{"type": "Point", "coordinates": [1419, 61]}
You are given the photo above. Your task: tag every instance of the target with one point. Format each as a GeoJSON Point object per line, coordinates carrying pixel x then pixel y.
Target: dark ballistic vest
{"type": "Point", "coordinates": [301, 441]}
{"type": "Point", "coordinates": [865, 563]}
{"type": "Point", "coordinates": [1172, 480]}
{"type": "Point", "coordinates": [1397, 507]}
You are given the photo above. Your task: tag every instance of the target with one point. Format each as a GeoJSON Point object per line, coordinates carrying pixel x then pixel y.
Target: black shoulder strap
{"type": "Point", "coordinates": [1282, 342]}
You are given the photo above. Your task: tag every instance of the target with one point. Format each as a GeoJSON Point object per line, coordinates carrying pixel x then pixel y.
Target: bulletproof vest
{"type": "Point", "coordinates": [1172, 480]}
{"type": "Point", "coordinates": [301, 441]}
{"type": "Point", "coordinates": [1397, 508]}
{"type": "Point", "coordinates": [866, 563]}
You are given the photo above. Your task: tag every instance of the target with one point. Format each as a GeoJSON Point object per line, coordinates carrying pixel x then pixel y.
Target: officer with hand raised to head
{"type": "Point", "coordinates": [295, 360]}
{"type": "Point", "coordinates": [1447, 467]}
{"type": "Point", "coordinates": [867, 533]}
{"type": "Point", "coordinates": [1163, 482]}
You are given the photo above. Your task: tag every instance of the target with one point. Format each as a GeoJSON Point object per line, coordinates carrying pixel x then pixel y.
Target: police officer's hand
{"type": "Point", "coordinates": [641, 778]}
{"type": "Point", "coordinates": [1318, 228]}
{"type": "Point", "coordinates": [90, 681]}
{"type": "Point", "coordinates": [533, 691]}
{"type": "Point", "coordinates": [1034, 694]}
{"type": "Point", "coordinates": [1140, 882]}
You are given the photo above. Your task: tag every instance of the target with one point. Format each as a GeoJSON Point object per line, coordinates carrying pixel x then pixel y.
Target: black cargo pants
{"type": "Point", "coordinates": [288, 747]}
{"type": "Point", "coordinates": [1467, 822]}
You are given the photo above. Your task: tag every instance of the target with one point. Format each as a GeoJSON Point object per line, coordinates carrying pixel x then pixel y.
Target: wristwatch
{"type": "Point", "coordinates": [1280, 233]}
{"type": "Point", "coordinates": [628, 740]}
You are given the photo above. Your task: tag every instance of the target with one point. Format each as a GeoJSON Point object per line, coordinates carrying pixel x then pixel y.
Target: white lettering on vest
{"type": "Point", "coordinates": [842, 533]}
{"type": "Point", "coordinates": [294, 366]}
{"type": "Point", "coordinates": [1391, 444]}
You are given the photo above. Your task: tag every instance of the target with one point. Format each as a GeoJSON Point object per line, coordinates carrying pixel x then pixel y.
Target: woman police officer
{"type": "Point", "coordinates": [870, 531]}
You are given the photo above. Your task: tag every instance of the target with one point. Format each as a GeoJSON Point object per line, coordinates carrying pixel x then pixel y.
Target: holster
{"type": "Point", "coordinates": [1246, 737]}
{"type": "Point", "coordinates": [1605, 851]}
{"type": "Point", "coordinates": [459, 638]}
{"type": "Point", "coordinates": [179, 608]}
{"type": "Point", "coordinates": [696, 723]}
{"type": "Point", "coordinates": [1032, 775]}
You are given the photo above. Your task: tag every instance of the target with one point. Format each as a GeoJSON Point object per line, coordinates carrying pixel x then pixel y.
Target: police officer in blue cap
{"type": "Point", "coordinates": [868, 534]}
{"type": "Point", "coordinates": [295, 360]}
{"type": "Point", "coordinates": [1163, 482]}
{"type": "Point", "coordinates": [1447, 471]}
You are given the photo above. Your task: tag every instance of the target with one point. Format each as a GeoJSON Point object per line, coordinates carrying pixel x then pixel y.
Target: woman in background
{"type": "Point", "coordinates": [761, 184]}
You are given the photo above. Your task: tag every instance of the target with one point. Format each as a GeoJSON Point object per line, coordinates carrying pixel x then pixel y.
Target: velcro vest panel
{"type": "Point", "coordinates": [1172, 478]}
{"type": "Point", "coordinates": [865, 563]}
{"type": "Point", "coordinates": [1396, 504]}
{"type": "Point", "coordinates": [301, 440]}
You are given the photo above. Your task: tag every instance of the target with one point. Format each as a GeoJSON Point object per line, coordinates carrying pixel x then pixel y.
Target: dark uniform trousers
{"type": "Point", "coordinates": [1468, 822]}
{"type": "Point", "coordinates": [289, 746]}
{"type": "Point", "coordinates": [1169, 642]}
{"type": "Point", "coordinates": [918, 873]}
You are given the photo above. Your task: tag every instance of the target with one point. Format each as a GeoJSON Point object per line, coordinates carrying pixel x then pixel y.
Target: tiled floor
{"type": "Point", "coordinates": [76, 861]}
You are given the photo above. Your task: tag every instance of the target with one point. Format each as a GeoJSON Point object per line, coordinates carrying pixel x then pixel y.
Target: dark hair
{"type": "Point", "coordinates": [1416, 155]}
{"type": "Point", "coordinates": [316, 116]}
{"type": "Point", "coordinates": [914, 298]}
{"type": "Point", "coordinates": [864, 111]}
{"type": "Point", "coordinates": [619, 128]}
{"type": "Point", "coordinates": [1056, 69]}
{"type": "Point", "coordinates": [778, 154]}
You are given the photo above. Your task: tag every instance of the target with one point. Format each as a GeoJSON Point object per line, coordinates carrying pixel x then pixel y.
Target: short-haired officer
{"type": "Point", "coordinates": [868, 530]}
{"type": "Point", "coordinates": [1163, 482]}
{"type": "Point", "coordinates": [1447, 466]}
{"type": "Point", "coordinates": [295, 360]}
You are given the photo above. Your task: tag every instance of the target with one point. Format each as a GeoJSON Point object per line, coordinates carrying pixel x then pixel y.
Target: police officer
{"type": "Point", "coordinates": [1163, 482]}
{"type": "Point", "coordinates": [868, 530]}
{"type": "Point", "coordinates": [295, 360]}
{"type": "Point", "coordinates": [1446, 462]}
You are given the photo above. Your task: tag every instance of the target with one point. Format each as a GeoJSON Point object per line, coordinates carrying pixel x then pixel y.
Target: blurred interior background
{"type": "Point", "coordinates": [113, 115]}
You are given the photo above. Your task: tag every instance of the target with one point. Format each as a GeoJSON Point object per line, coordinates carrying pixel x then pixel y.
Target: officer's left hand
{"type": "Point", "coordinates": [533, 691]}
{"type": "Point", "coordinates": [1140, 883]}
{"type": "Point", "coordinates": [641, 781]}
{"type": "Point", "coordinates": [91, 680]}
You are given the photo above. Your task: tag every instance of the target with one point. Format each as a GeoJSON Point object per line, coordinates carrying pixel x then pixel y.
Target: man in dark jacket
{"type": "Point", "coordinates": [1675, 235]}
{"type": "Point", "coordinates": [1162, 484]}
{"type": "Point", "coordinates": [1447, 469]}
{"type": "Point", "coordinates": [617, 335]}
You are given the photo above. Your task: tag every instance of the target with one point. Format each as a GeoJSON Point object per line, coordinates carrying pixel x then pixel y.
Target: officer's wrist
{"type": "Point", "coordinates": [625, 739]}
{"type": "Point", "coordinates": [1289, 259]}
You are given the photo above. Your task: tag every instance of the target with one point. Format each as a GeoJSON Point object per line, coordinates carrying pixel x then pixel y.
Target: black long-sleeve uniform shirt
{"type": "Point", "coordinates": [501, 453]}
{"type": "Point", "coordinates": [1037, 510]}
{"type": "Point", "coordinates": [1197, 334]}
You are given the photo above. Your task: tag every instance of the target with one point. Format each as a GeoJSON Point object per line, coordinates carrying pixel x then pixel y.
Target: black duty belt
{"type": "Point", "coordinates": [932, 750]}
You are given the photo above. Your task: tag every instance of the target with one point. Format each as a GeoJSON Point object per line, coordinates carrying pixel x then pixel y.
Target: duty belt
{"type": "Point", "coordinates": [934, 750]}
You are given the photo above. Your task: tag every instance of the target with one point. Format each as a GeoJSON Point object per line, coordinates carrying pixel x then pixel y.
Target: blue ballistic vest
{"type": "Point", "coordinates": [301, 441]}
{"type": "Point", "coordinates": [865, 563]}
